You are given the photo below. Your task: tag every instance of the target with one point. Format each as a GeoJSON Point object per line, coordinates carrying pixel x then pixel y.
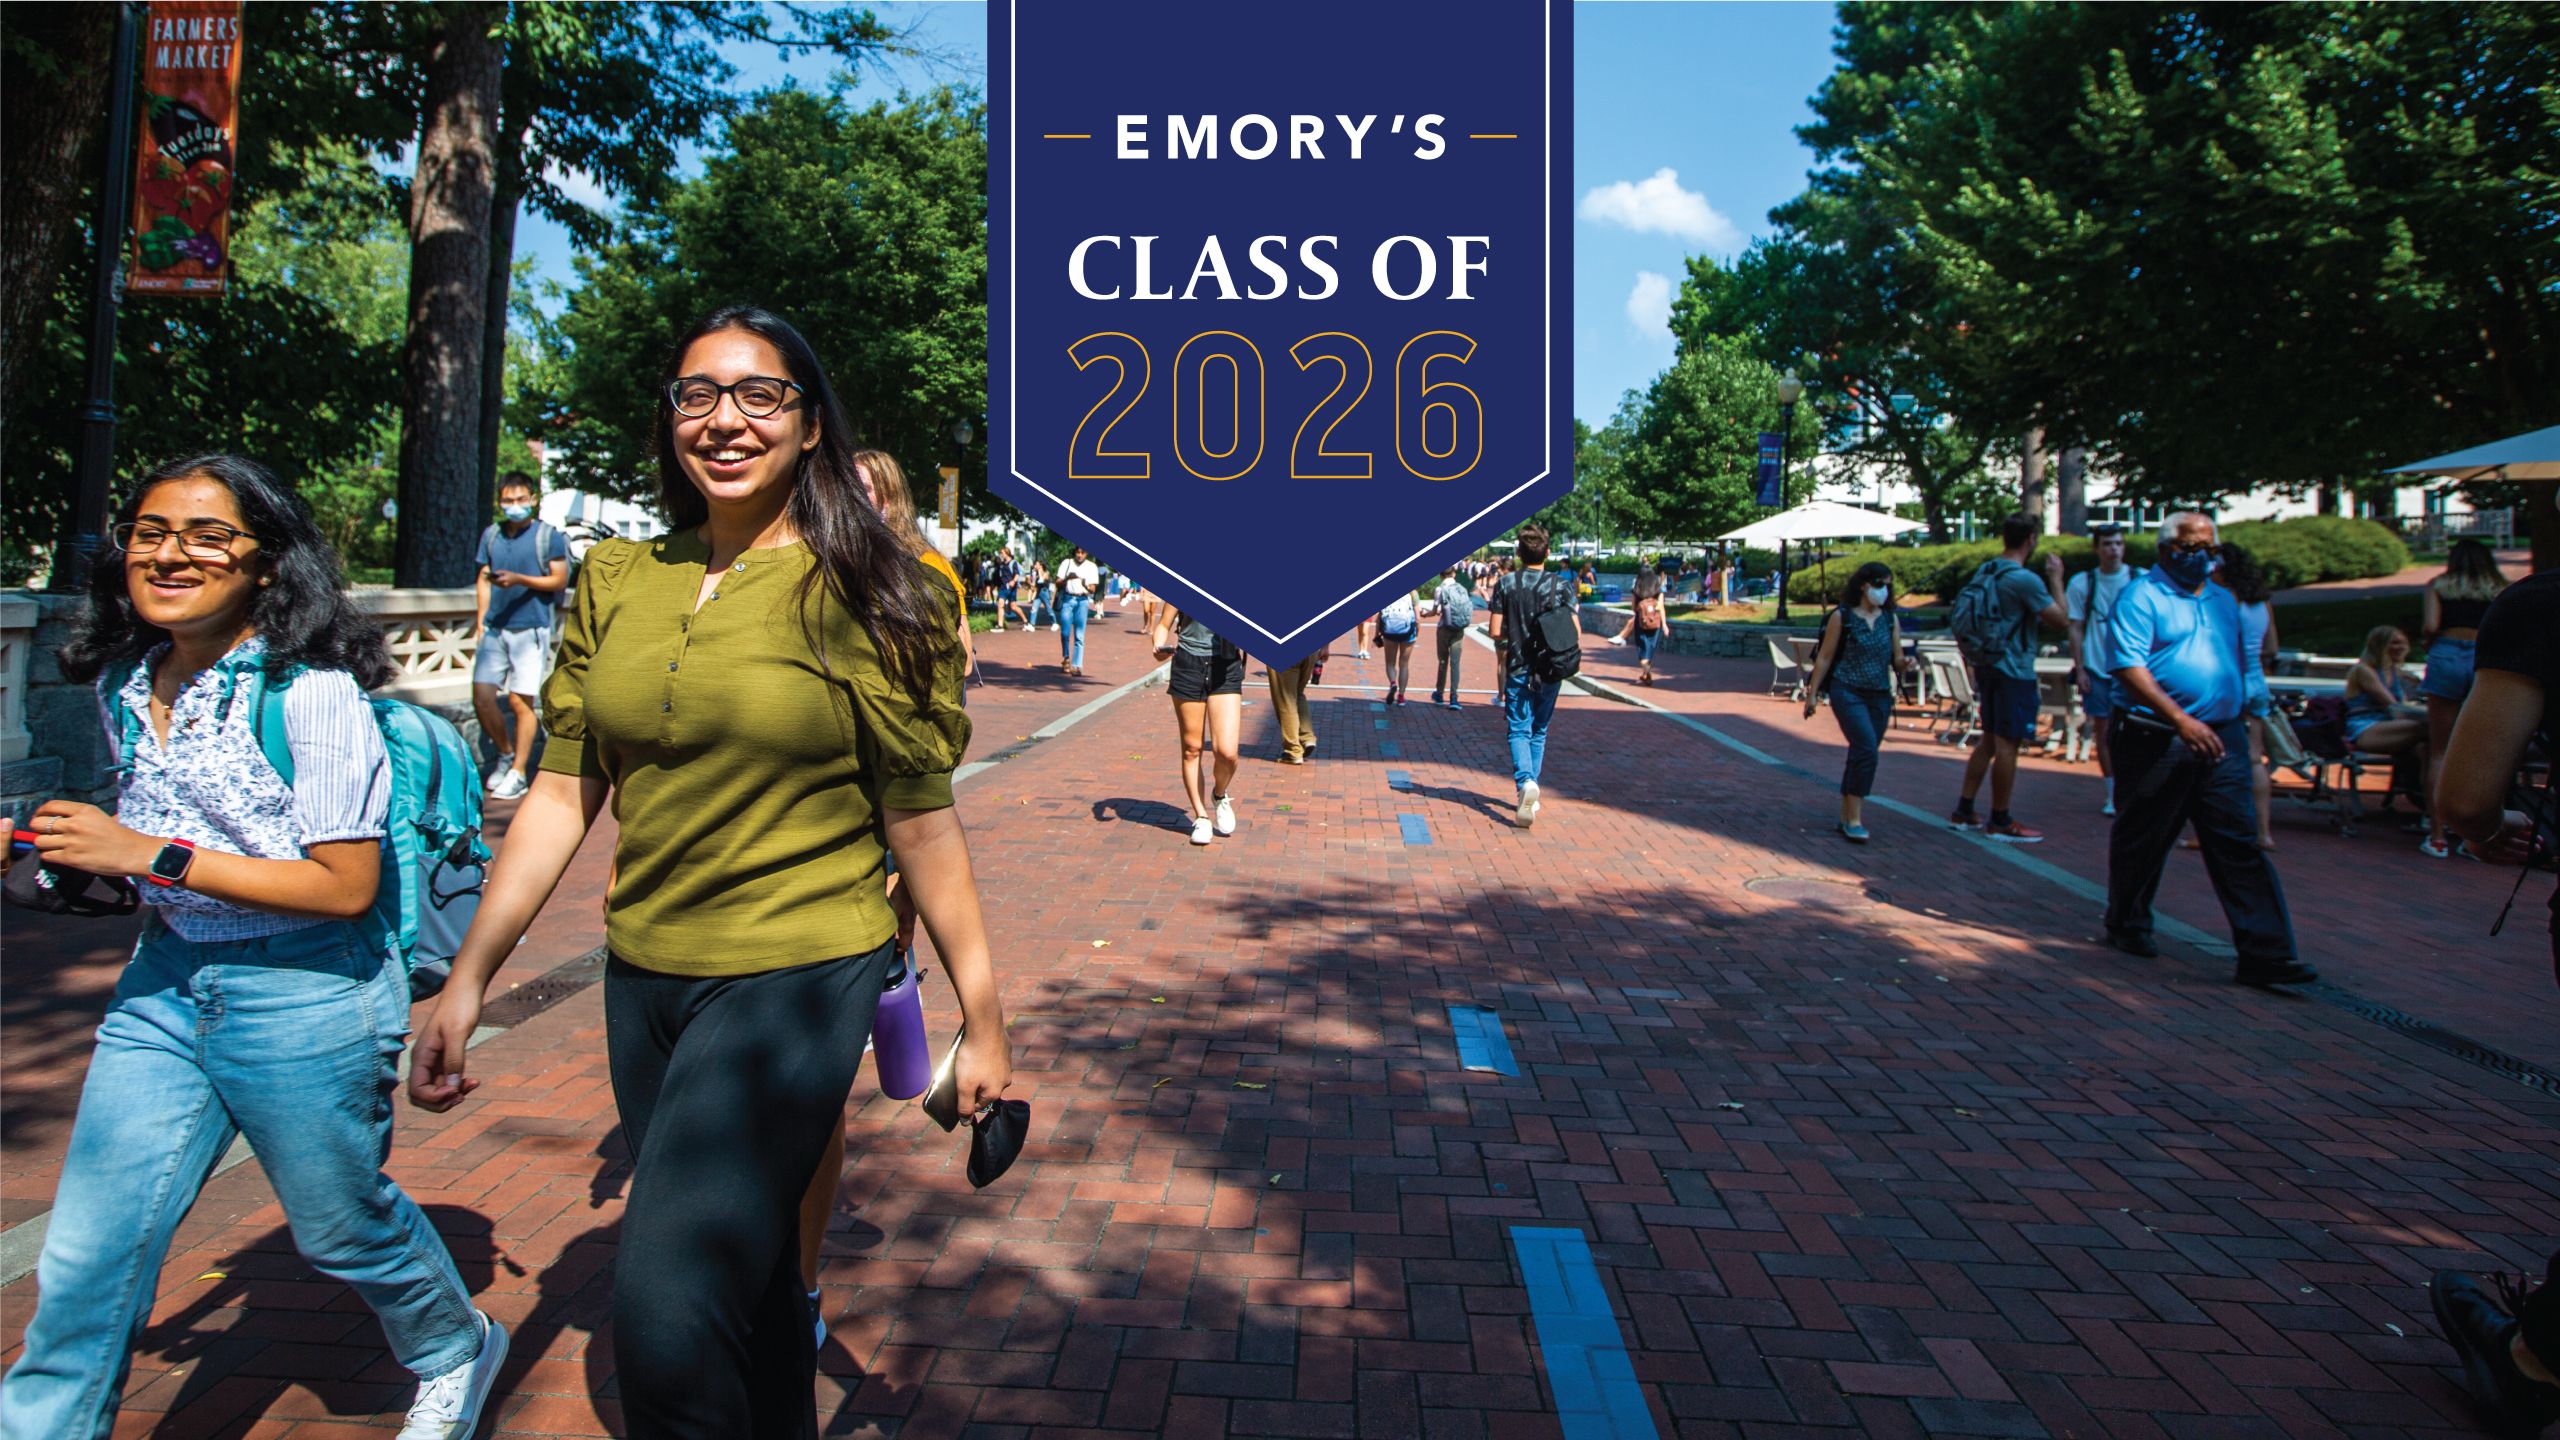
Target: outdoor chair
{"type": "Point", "coordinates": [1957, 721]}
{"type": "Point", "coordinates": [1786, 677]}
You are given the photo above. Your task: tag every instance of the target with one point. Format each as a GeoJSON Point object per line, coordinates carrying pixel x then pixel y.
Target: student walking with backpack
{"type": "Point", "coordinates": [1994, 619]}
{"type": "Point", "coordinates": [1456, 608]}
{"type": "Point", "coordinates": [523, 573]}
{"type": "Point", "coordinates": [1646, 624]}
{"type": "Point", "coordinates": [267, 997]}
{"type": "Point", "coordinates": [1536, 627]}
{"type": "Point", "coordinates": [769, 696]}
{"type": "Point", "coordinates": [1399, 625]}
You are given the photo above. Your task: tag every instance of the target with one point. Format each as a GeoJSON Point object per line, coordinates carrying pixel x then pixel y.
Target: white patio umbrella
{"type": "Point", "coordinates": [1817, 520]}
{"type": "Point", "coordinates": [2533, 455]}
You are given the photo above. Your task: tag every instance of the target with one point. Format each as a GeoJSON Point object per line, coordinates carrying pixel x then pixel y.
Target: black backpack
{"type": "Point", "coordinates": [1551, 643]}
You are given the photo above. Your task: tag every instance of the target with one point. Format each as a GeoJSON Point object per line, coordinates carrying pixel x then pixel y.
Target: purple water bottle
{"type": "Point", "coordinates": [897, 1032]}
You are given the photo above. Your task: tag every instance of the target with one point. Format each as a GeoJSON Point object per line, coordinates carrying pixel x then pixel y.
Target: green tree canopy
{"type": "Point", "coordinates": [865, 226]}
{"type": "Point", "coordinates": [1696, 446]}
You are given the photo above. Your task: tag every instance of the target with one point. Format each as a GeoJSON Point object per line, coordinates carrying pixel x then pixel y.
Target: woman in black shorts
{"type": "Point", "coordinates": [1208, 696]}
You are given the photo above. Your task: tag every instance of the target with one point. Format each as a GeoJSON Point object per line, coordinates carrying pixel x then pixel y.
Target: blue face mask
{"type": "Point", "coordinates": [1877, 595]}
{"type": "Point", "coordinates": [516, 512]}
{"type": "Point", "coordinates": [2189, 569]}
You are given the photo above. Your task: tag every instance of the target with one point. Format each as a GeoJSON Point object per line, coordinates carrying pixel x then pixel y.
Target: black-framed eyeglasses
{"type": "Point", "coordinates": [199, 542]}
{"type": "Point", "coordinates": [757, 396]}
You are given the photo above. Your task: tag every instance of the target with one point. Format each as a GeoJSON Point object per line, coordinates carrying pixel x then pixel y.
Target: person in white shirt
{"type": "Point", "coordinates": [1079, 579]}
{"type": "Point", "coordinates": [2089, 602]}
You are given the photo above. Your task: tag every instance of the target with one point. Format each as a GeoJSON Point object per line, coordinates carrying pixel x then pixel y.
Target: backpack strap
{"type": "Point", "coordinates": [268, 724]}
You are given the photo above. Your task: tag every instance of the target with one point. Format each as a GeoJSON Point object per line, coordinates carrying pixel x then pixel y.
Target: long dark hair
{"type": "Point", "coordinates": [860, 563]}
{"type": "Point", "coordinates": [302, 612]}
{"type": "Point", "coordinates": [1866, 575]}
{"type": "Point", "coordinates": [2241, 576]}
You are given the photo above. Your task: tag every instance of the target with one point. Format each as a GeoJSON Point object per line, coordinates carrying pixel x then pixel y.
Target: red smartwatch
{"type": "Point", "coordinates": [170, 866]}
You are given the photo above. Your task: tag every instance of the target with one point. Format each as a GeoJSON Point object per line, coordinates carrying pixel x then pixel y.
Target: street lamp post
{"type": "Point", "coordinates": [1790, 390]}
{"type": "Point", "coordinates": [94, 474]}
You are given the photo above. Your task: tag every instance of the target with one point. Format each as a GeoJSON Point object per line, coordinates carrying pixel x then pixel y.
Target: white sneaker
{"type": "Point", "coordinates": [1225, 820]}
{"type": "Point", "coordinates": [1525, 814]}
{"type": "Point", "coordinates": [1203, 829]}
{"type": "Point", "coordinates": [508, 785]}
{"type": "Point", "coordinates": [448, 1406]}
{"type": "Point", "coordinates": [1618, 640]}
{"type": "Point", "coordinates": [506, 766]}
{"type": "Point", "coordinates": [1363, 655]}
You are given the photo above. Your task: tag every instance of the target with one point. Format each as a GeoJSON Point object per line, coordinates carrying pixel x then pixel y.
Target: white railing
{"type": "Point", "coordinates": [18, 615]}
{"type": "Point", "coordinates": [430, 636]}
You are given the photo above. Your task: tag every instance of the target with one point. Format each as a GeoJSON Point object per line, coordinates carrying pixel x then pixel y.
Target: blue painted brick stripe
{"type": "Point", "coordinates": [1416, 830]}
{"type": "Point", "coordinates": [1399, 780]}
{"type": "Point", "coordinates": [1481, 1043]}
{"type": "Point", "coordinates": [1593, 1381]}
{"type": "Point", "coordinates": [1387, 750]}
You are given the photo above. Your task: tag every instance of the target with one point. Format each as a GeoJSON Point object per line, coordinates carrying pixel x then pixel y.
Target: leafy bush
{"type": "Point", "coordinates": [2302, 551]}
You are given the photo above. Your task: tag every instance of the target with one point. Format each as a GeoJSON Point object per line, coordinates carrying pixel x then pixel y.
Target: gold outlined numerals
{"type": "Point", "coordinates": [1222, 406]}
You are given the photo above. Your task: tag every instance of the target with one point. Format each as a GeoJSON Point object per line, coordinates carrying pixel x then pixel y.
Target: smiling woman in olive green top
{"type": "Point", "coordinates": [770, 696]}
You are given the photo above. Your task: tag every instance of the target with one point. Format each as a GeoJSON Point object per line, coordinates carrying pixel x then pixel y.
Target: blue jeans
{"type": "Point", "coordinates": [1072, 612]}
{"type": "Point", "coordinates": [293, 1040]}
{"type": "Point", "coordinates": [1863, 716]}
{"type": "Point", "coordinates": [1528, 704]}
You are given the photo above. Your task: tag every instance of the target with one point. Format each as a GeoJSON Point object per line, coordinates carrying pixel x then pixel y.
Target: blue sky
{"type": "Point", "coordinates": [1684, 117]}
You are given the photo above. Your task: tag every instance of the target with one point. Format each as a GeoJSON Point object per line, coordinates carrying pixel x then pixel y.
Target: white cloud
{"type": "Point", "coordinates": [1657, 205]}
{"type": "Point", "coordinates": [1649, 303]}
{"type": "Point", "coordinates": [581, 187]}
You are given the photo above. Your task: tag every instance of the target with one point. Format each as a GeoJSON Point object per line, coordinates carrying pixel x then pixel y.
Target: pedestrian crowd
{"type": "Point", "coordinates": [774, 859]}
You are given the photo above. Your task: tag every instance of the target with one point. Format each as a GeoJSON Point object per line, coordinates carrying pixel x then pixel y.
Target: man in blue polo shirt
{"type": "Point", "coordinates": [2182, 757]}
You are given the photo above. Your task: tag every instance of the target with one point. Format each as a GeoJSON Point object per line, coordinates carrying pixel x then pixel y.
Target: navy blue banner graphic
{"type": "Point", "coordinates": [1279, 295]}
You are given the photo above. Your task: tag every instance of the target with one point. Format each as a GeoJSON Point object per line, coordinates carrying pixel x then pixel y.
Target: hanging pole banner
{"type": "Point", "coordinates": [190, 120]}
{"type": "Point", "coordinates": [1769, 484]}
{"type": "Point", "coordinates": [1279, 296]}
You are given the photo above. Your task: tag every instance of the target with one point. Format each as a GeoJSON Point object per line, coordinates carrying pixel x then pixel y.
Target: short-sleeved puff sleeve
{"type": "Point", "coordinates": [911, 748]}
{"type": "Point", "coordinates": [571, 750]}
{"type": "Point", "coordinates": [341, 772]}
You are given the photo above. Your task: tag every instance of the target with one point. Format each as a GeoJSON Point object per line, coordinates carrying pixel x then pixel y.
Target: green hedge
{"type": "Point", "coordinates": [2302, 551]}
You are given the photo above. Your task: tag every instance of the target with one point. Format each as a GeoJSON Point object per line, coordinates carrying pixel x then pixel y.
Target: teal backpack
{"type": "Point", "coordinates": [434, 862]}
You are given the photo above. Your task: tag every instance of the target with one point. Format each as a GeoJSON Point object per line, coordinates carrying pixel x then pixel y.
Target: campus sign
{"type": "Point", "coordinates": [1278, 296]}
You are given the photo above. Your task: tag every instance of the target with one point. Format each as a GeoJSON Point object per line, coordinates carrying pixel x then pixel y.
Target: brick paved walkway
{"type": "Point", "coordinates": [1866, 1143]}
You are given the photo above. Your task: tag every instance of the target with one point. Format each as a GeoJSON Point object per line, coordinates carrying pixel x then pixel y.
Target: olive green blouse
{"type": "Point", "coordinates": [749, 776]}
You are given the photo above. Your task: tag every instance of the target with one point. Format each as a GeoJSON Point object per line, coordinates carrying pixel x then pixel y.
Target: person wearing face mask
{"type": "Point", "coordinates": [2184, 673]}
{"type": "Point", "coordinates": [524, 570]}
{"type": "Point", "coordinates": [1861, 652]}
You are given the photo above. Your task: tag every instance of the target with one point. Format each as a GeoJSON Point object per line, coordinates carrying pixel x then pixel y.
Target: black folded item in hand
{"type": "Point", "coordinates": [62, 890]}
{"type": "Point", "coordinates": [995, 1137]}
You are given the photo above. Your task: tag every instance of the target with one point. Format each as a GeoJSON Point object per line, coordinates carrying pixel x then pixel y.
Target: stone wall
{"type": "Point", "coordinates": [61, 752]}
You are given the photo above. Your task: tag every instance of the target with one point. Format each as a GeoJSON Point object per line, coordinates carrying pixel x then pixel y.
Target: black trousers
{"type": "Point", "coordinates": [726, 1087]}
{"type": "Point", "coordinates": [2161, 788]}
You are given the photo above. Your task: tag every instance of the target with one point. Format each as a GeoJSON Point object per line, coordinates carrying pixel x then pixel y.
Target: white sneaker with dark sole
{"type": "Point", "coordinates": [1525, 813]}
{"type": "Point", "coordinates": [509, 785]}
{"type": "Point", "coordinates": [1203, 829]}
{"type": "Point", "coordinates": [448, 1405]}
{"type": "Point", "coordinates": [1225, 819]}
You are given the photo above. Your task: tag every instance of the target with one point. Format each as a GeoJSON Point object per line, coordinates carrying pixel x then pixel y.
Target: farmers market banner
{"type": "Point", "coordinates": [1278, 295]}
{"type": "Point", "coordinates": [191, 110]}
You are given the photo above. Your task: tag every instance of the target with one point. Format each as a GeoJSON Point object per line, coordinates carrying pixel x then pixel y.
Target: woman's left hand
{"type": "Point", "coordinates": [984, 1067]}
{"type": "Point", "coordinates": [85, 837]}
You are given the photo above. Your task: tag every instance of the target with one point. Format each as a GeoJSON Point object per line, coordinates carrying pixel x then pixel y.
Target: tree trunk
{"type": "Point", "coordinates": [2071, 486]}
{"type": "Point", "coordinates": [2031, 473]}
{"type": "Point", "coordinates": [440, 367]}
{"type": "Point", "coordinates": [53, 86]}
{"type": "Point", "coordinates": [493, 347]}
